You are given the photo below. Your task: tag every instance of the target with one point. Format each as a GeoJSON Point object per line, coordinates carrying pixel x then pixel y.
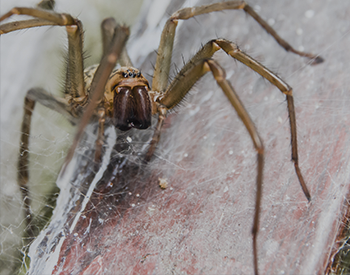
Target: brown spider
{"type": "Point", "coordinates": [125, 96]}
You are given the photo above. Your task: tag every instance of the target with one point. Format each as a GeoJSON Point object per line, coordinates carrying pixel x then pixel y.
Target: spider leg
{"type": "Point", "coordinates": [23, 173]}
{"type": "Point", "coordinates": [196, 68]}
{"type": "Point", "coordinates": [101, 114]}
{"type": "Point", "coordinates": [25, 24]}
{"type": "Point", "coordinates": [97, 87]}
{"type": "Point", "coordinates": [60, 19]}
{"type": "Point", "coordinates": [110, 29]}
{"type": "Point", "coordinates": [179, 88]}
{"type": "Point", "coordinates": [191, 73]}
{"type": "Point", "coordinates": [13, 26]}
{"type": "Point", "coordinates": [34, 95]}
{"type": "Point", "coordinates": [162, 67]}
{"type": "Point", "coordinates": [220, 77]}
{"type": "Point", "coordinates": [162, 110]}
{"type": "Point", "coordinates": [74, 85]}
{"type": "Point", "coordinates": [109, 26]}
{"type": "Point", "coordinates": [75, 65]}
{"type": "Point", "coordinates": [316, 59]}
{"type": "Point", "coordinates": [233, 50]}
{"type": "Point", "coordinates": [70, 107]}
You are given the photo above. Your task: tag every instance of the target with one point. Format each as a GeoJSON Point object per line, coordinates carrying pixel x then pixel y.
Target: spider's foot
{"type": "Point", "coordinates": [317, 60]}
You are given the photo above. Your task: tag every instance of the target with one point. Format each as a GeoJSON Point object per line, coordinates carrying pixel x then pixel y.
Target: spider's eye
{"type": "Point", "coordinates": [125, 74]}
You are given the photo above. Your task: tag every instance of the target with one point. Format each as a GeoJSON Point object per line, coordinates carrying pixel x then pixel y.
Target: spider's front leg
{"type": "Point", "coordinates": [74, 86]}
{"type": "Point", "coordinates": [165, 49]}
{"type": "Point", "coordinates": [97, 88]}
{"type": "Point", "coordinates": [74, 83]}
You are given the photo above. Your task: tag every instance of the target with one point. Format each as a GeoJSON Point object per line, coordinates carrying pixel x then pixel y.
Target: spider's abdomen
{"type": "Point", "coordinates": [131, 108]}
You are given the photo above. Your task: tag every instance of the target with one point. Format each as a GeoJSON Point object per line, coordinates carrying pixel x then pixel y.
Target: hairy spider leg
{"type": "Point", "coordinates": [165, 49]}
{"type": "Point", "coordinates": [97, 88]}
{"type": "Point", "coordinates": [76, 96]}
{"type": "Point", "coordinates": [74, 84]}
{"type": "Point", "coordinates": [194, 70]}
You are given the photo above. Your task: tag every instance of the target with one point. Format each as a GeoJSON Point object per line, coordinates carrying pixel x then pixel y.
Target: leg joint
{"type": "Point", "coordinates": [229, 47]}
{"type": "Point", "coordinates": [162, 110]}
{"type": "Point", "coordinates": [288, 92]}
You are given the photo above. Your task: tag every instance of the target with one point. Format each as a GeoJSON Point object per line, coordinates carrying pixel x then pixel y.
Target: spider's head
{"type": "Point", "coordinates": [128, 89]}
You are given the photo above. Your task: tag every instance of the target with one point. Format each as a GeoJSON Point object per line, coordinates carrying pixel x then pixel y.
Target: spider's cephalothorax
{"type": "Point", "coordinates": [128, 90]}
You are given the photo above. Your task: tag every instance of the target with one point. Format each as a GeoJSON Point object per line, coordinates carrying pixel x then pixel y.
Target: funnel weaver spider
{"type": "Point", "coordinates": [125, 96]}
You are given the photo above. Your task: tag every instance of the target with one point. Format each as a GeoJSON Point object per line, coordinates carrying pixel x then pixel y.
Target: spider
{"type": "Point", "coordinates": [126, 97]}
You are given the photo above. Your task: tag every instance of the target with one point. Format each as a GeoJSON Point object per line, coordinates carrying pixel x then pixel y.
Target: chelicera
{"type": "Point", "coordinates": [124, 94]}
{"type": "Point", "coordinates": [130, 99]}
